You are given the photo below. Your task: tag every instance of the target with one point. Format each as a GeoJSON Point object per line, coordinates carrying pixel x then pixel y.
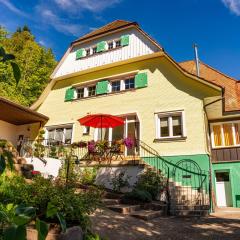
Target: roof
{"type": "Point", "coordinates": [18, 115]}
{"type": "Point", "coordinates": [231, 86]}
{"type": "Point", "coordinates": [106, 28]}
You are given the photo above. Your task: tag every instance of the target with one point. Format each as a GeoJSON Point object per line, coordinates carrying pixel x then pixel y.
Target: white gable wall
{"type": "Point", "coordinates": [138, 45]}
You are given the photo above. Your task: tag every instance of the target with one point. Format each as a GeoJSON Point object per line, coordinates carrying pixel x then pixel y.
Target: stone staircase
{"type": "Point", "coordinates": [144, 211]}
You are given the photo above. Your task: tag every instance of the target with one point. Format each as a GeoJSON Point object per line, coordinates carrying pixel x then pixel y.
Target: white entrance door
{"type": "Point", "coordinates": [223, 189]}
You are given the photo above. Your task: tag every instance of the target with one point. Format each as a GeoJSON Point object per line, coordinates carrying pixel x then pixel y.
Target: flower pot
{"type": "Point", "coordinates": [32, 234]}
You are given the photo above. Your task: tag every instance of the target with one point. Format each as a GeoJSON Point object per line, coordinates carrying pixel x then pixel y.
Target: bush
{"type": "Point", "coordinates": [150, 181]}
{"type": "Point", "coordinates": [138, 195]}
{"type": "Point", "coordinates": [86, 176]}
{"type": "Point", "coordinates": [41, 192]}
{"type": "Point", "coordinates": [119, 181]}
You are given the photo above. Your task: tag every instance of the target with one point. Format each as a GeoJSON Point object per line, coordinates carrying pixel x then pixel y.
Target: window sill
{"type": "Point", "coordinates": [170, 139]}
{"type": "Point", "coordinates": [105, 94]}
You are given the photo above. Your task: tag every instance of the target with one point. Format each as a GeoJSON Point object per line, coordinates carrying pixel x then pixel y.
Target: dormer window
{"type": "Point", "coordinates": [87, 51]}
{"type": "Point", "coordinates": [110, 45]}
{"type": "Point", "coordinates": [94, 50]}
{"type": "Point", "coordinates": [118, 43]}
{"type": "Point", "coordinates": [116, 86]}
{"type": "Point", "coordinates": [129, 83]}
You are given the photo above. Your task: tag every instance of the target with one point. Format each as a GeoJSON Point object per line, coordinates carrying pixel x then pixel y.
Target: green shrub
{"type": "Point", "coordinates": [86, 176]}
{"type": "Point", "coordinates": [41, 192]}
{"type": "Point", "coordinates": [150, 181]}
{"type": "Point", "coordinates": [120, 181]}
{"type": "Point", "coordinates": [138, 195]}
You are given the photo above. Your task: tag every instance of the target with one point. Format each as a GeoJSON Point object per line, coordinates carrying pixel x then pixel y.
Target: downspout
{"type": "Point", "coordinates": [211, 192]}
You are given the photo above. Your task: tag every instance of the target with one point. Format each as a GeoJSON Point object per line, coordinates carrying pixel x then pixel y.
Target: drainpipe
{"type": "Point", "coordinates": [196, 59]}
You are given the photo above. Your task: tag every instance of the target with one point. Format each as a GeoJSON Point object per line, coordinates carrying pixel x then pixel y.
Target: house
{"type": "Point", "coordinates": [223, 119]}
{"type": "Point", "coordinates": [18, 122]}
{"type": "Point", "coordinates": [119, 69]}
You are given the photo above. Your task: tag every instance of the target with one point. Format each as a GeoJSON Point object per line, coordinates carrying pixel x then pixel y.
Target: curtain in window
{"type": "Point", "coordinates": [217, 135]}
{"type": "Point", "coordinates": [68, 135]}
{"type": "Point", "coordinates": [228, 134]}
{"type": "Point", "coordinates": [177, 128]}
{"type": "Point", "coordinates": [237, 129]}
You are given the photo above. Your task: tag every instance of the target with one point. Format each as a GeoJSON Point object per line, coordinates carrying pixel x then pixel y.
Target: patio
{"type": "Point", "coordinates": [219, 225]}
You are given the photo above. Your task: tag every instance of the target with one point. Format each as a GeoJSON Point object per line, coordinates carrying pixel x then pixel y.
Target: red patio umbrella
{"type": "Point", "coordinates": [101, 121]}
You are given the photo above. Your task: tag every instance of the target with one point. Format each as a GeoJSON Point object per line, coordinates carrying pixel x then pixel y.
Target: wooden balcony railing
{"type": "Point", "coordinates": [226, 154]}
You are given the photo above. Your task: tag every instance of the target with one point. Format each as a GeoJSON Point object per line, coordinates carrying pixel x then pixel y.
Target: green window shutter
{"type": "Point", "coordinates": [124, 40]}
{"type": "Point", "coordinates": [80, 53]}
{"type": "Point", "coordinates": [141, 80]}
{"type": "Point", "coordinates": [69, 95]}
{"type": "Point", "coordinates": [101, 46]}
{"type": "Point", "coordinates": [102, 87]}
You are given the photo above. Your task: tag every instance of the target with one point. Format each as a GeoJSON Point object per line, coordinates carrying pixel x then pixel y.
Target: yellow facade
{"type": "Point", "coordinates": [168, 90]}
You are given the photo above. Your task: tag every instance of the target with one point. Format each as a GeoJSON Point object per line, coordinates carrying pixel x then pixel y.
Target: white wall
{"type": "Point", "coordinates": [138, 45]}
{"type": "Point", "coordinates": [51, 168]}
{"type": "Point", "coordinates": [11, 132]}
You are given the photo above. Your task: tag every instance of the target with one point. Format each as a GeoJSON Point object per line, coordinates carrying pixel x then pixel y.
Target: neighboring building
{"type": "Point", "coordinates": [119, 69]}
{"type": "Point", "coordinates": [18, 122]}
{"type": "Point", "coordinates": [224, 124]}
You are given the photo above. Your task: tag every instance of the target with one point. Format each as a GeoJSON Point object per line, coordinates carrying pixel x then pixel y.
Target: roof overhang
{"type": "Point", "coordinates": [18, 115]}
{"type": "Point", "coordinates": [123, 62]}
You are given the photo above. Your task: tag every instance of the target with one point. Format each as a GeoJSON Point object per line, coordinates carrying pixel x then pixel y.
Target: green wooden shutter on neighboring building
{"type": "Point", "coordinates": [101, 46]}
{"type": "Point", "coordinates": [124, 40]}
{"type": "Point", "coordinates": [102, 87]}
{"type": "Point", "coordinates": [141, 80]}
{"type": "Point", "coordinates": [69, 95]}
{"type": "Point", "coordinates": [80, 53]}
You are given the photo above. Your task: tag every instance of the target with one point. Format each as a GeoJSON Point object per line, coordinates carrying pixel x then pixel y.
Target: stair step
{"type": "Point", "coordinates": [147, 214]}
{"type": "Point", "coordinates": [107, 201]}
{"type": "Point", "coordinates": [191, 213]}
{"type": "Point", "coordinates": [124, 209]}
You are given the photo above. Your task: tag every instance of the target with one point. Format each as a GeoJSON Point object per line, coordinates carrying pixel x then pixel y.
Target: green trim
{"type": "Point", "coordinates": [141, 80]}
{"type": "Point", "coordinates": [69, 94]}
{"type": "Point", "coordinates": [101, 46]}
{"type": "Point", "coordinates": [124, 40]}
{"type": "Point", "coordinates": [102, 87]}
{"type": "Point", "coordinates": [80, 53]}
{"type": "Point", "coordinates": [234, 170]}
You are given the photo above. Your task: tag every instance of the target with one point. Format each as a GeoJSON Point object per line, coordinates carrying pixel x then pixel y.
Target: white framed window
{"type": "Point", "coordinates": [60, 134]}
{"type": "Point", "coordinates": [88, 52]}
{"type": "Point", "coordinates": [117, 43]}
{"type": "Point", "coordinates": [170, 125]}
{"type": "Point", "coordinates": [225, 134]}
{"type": "Point", "coordinates": [80, 93]}
{"type": "Point", "coordinates": [129, 83]}
{"type": "Point", "coordinates": [86, 130]}
{"type": "Point", "coordinates": [116, 86]}
{"type": "Point", "coordinates": [91, 91]}
{"type": "Point", "coordinates": [110, 45]}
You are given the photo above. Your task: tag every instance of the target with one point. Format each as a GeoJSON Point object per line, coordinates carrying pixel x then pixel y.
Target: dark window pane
{"type": "Point", "coordinates": [88, 52]}
{"type": "Point", "coordinates": [118, 43]}
{"type": "Point", "coordinates": [92, 91]}
{"type": "Point", "coordinates": [116, 86]}
{"type": "Point", "coordinates": [177, 125]}
{"type": "Point", "coordinates": [94, 50]}
{"type": "Point", "coordinates": [129, 83]}
{"type": "Point", "coordinates": [164, 127]}
{"type": "Point", "coordinates": [110, 45]}
{"type": "Point", "coordinates": [80, 93]}
{"type": "Point", "coordinates": [222, 176]}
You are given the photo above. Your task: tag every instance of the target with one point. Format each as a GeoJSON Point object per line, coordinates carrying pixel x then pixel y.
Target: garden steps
{"type": "Point", "coordinates": [147, 214]}
{"type": "Point", "coordinates": [124, 208]}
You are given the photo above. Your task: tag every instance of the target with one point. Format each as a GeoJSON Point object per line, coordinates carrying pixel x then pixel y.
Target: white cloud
{"type": "Point", "coordinates": [90, 5]}
{"type": "Point", "coordinates": [61, 25]}
{"type": "Point", "coordinates": [233, 5]}
{"type": "Point", "coordinates": [11, 7]}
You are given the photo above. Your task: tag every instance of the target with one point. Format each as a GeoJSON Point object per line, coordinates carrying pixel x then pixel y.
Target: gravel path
{"type": "Point", "coordinates": [222, 225]}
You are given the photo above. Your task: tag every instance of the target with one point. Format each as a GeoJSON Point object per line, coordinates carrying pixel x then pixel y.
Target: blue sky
{"type": "Point", "coordinates": [213, 24]}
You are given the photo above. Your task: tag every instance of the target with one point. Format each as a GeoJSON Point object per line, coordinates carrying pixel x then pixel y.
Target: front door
{"type": "Point", "coordinates": [223, 189]}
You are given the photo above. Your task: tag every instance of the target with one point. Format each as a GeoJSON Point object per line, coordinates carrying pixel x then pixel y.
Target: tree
{"type": "Point", "coordinates": [9, 58]}
{"type": "Point", "coordinates": [36, 63]}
